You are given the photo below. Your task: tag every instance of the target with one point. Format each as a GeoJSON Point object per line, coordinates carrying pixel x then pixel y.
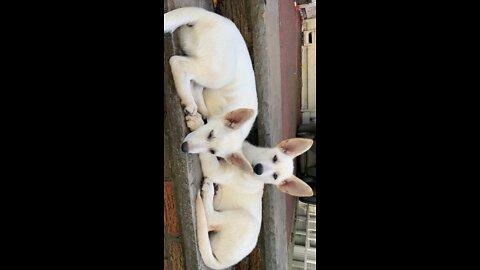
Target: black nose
{"type": "Point", "coordinates": [258, 169]}
{"type": "Point", "coordinates": [185, 147]}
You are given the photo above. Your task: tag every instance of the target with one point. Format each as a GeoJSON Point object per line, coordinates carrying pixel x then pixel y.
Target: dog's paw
{"type": "Point", "coordinates": [207, 188]}
{"type": "Point", "coordinates": [207, 184]}
{"type": "Point", "coordinates": [190, 108]}
{"type": "Point", "coordinates": [194, 121]}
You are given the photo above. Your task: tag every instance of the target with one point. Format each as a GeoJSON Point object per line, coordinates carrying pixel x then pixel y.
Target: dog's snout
{"type": "Point", "coordinates": [185, 147]}
{"type": "Point", "coordinates": [258, 169]}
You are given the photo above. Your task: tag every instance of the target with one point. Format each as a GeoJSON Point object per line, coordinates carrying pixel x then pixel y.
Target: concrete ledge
{"type": "Point", "coordinates": [266, 50]}
{"type": "Point", "coordinates": [186, 171]}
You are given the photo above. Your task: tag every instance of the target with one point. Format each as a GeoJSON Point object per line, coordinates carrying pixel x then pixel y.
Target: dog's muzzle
{"type": "Point", "coordinates": [258, 169]}
{"type": "Point", "coordinates": [185, 147]}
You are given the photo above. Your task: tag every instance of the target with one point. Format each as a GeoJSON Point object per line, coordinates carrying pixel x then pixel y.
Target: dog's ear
{"type": "Point", "coordinates": [235, 119]}
{"type": "Point", "coordinates": [238, 160]}
{"type": "Point", "coordinates": [295, 187]}
{"type": "Point", "coordinates": [294, 147]}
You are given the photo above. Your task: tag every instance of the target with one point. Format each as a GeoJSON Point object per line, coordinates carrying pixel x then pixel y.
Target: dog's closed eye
{"type": "Point", "coordinates": [210, 135]}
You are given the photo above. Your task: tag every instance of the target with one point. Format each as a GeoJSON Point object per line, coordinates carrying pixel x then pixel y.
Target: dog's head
{"type": "Point", "coordinates": [220, 136]}
{"type": "Point", "coordinates": [275, 166]}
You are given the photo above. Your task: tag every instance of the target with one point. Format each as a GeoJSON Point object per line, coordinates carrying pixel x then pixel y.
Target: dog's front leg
{"type": "Point", "coordinates": [182, 78]}
{"type": "Point", "coordinates": [211, 167]}
{"type": "Point", "coordinates": [213, 217]}
{"type": "Point", "coordinates": [195, 121]}
{"type": "Point", "coordinates": [197, 93]}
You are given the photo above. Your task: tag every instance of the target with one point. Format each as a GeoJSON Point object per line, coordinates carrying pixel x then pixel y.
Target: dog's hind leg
{"type": "Point", "coordinates": [203, 237]}
{"type": "Point", "coordinates": [211, 167]}
{"type": "Point", "coordinates": [214, 75]}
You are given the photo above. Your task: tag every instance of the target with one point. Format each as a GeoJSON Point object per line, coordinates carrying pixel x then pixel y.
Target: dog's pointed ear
{"type": "Point", "coordinates": [295, 146]}
{"type": "Point", "coordinates": [295, 187]}
{"type": "Point", "coordinates": [238, 160]}
{"type": "Point", "coordinates": [237, 118]}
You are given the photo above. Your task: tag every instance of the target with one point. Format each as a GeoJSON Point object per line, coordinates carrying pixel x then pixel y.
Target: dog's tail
{"type": "Point", "coordinates": [182, 16]}
{"type": "Point", "coordinates": [203, 240]}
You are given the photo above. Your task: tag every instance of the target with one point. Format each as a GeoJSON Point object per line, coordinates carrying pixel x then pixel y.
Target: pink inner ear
{"type": "Point", "coordinates": [230, 121]}
{"type": "Point", "coordinates": [241, 163]}
{"type": "Point", "coordinates": [296, 187]}
{"type": "Point", "coordinates": [295, 146]}
{"type": "Point", "coordinates": [237, 117]}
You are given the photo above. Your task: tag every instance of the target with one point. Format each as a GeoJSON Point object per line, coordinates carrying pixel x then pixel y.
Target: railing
{"type": "Point", "coordinates": [304, 251]}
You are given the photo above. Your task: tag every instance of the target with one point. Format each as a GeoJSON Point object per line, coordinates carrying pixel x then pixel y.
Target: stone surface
{"type": "Point", "coordinates": [266, 49]}
{"type": "Point", "coordinates": [186, 173]}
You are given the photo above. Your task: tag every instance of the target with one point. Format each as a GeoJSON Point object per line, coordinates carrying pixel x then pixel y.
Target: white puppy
{"type": "Point", "coordinates": [234, 215]}
{"type": "Point", "coordinates": [215, 78]}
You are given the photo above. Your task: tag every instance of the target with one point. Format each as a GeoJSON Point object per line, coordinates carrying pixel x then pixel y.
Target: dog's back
{"type": "Point", "coordinates": [216, 76]}
{"type": "Point", "coordinates": [215, 42]}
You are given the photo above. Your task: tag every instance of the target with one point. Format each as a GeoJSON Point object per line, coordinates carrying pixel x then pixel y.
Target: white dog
{"type": "Point", "coordinates": [215, 78]}
{"type": "Point", "coordinates": [234, 215]}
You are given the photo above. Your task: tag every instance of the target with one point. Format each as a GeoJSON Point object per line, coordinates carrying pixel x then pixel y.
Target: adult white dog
{"type": "Point", "coordinates": [214, 79]}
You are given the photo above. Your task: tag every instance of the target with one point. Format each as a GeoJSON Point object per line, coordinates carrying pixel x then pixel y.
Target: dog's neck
{"type": "Point", "coordinates": [250, 151]}
{"type": "Point", "coordinates": [246, 128]}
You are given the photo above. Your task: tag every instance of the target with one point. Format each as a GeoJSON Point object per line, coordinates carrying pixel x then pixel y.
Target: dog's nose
{"type": "Point", "coordinates": [185, 147]}
{"type": "Point", "coordinates": [258, 169]}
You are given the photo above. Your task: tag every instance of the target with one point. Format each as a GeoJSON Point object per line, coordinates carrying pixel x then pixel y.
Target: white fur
{"type": "Point", "coordinates": [215, 77]}
{"type": "Point", "coordinates": [235, 213]}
